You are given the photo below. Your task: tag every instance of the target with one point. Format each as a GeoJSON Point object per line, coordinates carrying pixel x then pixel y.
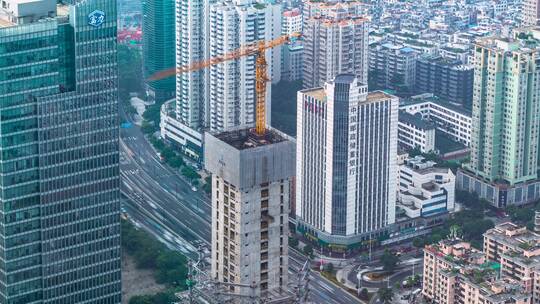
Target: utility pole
{"type": "Point", "coordinates": [302, 288]}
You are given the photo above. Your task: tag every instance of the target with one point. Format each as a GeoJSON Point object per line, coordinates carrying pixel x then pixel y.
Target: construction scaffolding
{"type": "Point", "coordinates": [203, 289]}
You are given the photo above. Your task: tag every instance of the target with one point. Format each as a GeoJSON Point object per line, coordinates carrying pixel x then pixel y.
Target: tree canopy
{"type": "Point", "coordinates": [170, 266]}
{"type": "Point", "coordinates": [389, 260]}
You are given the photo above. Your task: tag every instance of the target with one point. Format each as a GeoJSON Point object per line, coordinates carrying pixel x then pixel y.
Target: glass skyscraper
{"type": "Point", "coordinates": [59, 170]}
{"type": "Point", "coordinates": [159, 45]}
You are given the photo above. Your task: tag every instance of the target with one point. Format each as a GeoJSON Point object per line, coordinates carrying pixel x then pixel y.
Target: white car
{"type": "Point", "coordinates": [194, 189]}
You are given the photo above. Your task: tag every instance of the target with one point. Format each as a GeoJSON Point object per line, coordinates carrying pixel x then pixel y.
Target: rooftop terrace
{"type": "Point", "coordinates": [243, 139]}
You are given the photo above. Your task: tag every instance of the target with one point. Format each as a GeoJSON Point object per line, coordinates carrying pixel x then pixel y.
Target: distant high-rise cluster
{"type": "Point", "coordinates": [60, 176]}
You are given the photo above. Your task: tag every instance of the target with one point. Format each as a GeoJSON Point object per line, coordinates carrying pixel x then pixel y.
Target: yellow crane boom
{"type": "Point", "coordinates": [258, 49]}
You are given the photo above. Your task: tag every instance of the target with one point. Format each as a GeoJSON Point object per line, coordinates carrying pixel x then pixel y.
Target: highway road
{"type": "Point", "coordinates": [163, 203]}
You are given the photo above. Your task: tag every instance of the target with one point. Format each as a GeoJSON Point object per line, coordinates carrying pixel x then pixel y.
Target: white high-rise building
{"type": "Point", "coordinates": [530, 12]}
{"type": "Point", "coordinates": [182, 121]}
{"type": "Point", "coordinates": [292, 22]}
{"type": "Point", "coordinates": [346, 160]}
{"type": "Point", "coordinates": [334, 42]}
{"type": "Point", "coordinates": [222, 96]}
{"type": "Point", "coordinates": [232, 83]}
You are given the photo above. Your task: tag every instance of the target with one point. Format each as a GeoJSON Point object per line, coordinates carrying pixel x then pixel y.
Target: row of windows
{"type": "Point", "coordinates": [81, 191]}
{"type": "Point", "coordinates": [80, 178]}
{"type": "Point", "coordinates": [98, 218]}
{"type": "Point", "coordinates": [79, 115]}
{"type": "Point", "coordinates": [55, 271]}
{"type": "Point", "coordinates": [89, 151]}
{"type": "Point", "coordinates": [18, 113]}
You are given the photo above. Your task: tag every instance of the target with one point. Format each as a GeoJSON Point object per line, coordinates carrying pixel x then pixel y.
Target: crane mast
{"type": "Point", "coordinates": [260, 90]}
{"type": "Point", "coordinates": [261, 78]}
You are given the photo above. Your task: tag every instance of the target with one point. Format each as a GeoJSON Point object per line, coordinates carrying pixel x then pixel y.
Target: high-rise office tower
{"type": "Point", "coordinates": [530, 12]}
{"type": "Point", "coordinates": [59, 151]}
{"type": "Point", "coordinates": [346, 165]}
{"type": "Point", "coordinates": [251, 185]}
{"type": "Point", "coordinates": [505, 120]}
{"type": "Point", "coordinates": [334, 42]}
{"type": "Point", "coordinates": [159, 46]}
{"type": "Point", "coordinates": [231, 84]}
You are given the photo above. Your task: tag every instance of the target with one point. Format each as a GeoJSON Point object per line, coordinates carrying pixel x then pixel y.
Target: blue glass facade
{"type": "Point", "coordinates": [59, 172]}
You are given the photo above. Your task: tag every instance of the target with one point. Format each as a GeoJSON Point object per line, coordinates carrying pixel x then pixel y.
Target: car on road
{"type": "Point", "coordinates": [194, 189]}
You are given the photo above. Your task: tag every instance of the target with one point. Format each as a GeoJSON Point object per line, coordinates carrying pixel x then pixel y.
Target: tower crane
{"type": "Point", "coordinates": [258, 49]}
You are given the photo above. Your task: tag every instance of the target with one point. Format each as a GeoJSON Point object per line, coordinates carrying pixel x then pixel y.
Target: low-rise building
{"type": "Point", "coordinates": [453, 120]}
{"type": "Point", "coordinates": [425, 190]}
{"type": "Point", "coordinates": [414, 132]}
{"type": "Point", "coordinates": [454, 272]}
{"type": "Point", "coordinates": [393, 66]}
{"type": "Point", "coordinates": [189, 141]}
{"type": "Point", "coordinates": [450, 80]}
{"type": "Point", "coordinates": [509, 237]}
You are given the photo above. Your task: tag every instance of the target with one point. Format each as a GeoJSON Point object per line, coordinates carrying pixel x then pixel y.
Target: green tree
{"type": "Point", "coordinates": [386, 295]}
{"type": "Point", "coordinates": [389, 260]}
{"type": "Point", "coordinates": [364, 294]}
{"type": "Point", "coordinates": [329, 267]}
{"type": "Point", "coordinates": [418, 242]}
{"type": "Point", "coordinates": [207, 184]}
{"type": "Point", "coordinates": [130, 78]}
{"type": "Point", "coordinates": [167, 297]}
{"type": "Point", "coordinates": [145, 299]}
{"type": "Point", "coordinates": [176, 161]}
{"type": "Point", "coordinates": [190, 173]}
{"type": "Point", "coordinates": [308, 250]}
{"type": "Point", "coordinates": [171, 268]}
{"type": "Point", "coordinates": [293, 242]}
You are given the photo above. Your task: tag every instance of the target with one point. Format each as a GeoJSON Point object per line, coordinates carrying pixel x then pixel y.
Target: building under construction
{"type": "Point", "coordinates": [251, 188]}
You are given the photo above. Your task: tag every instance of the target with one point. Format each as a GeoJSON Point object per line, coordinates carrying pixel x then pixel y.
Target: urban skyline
{"type": "Point", "coordinates": [270, 151]}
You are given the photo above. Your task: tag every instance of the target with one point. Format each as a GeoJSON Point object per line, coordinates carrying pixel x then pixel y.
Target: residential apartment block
{"type": "Point", "coordinates": [450, 80]}
{"type": "Point", "coordinates": [222, 96]}
{"type": "Point", "coordinates": [335, 42]}
{"type": "Point", "coordinates": [393, 66]}
{"type": "Point", "coordinates": [507, 271]}
{"type": "Point", "coordinates": [231, 84]}
{"type": "Point", "coordinates": [530, 12]}
{"type": "Point", "coordinates": [454, 272]}
{"type": "Point", "coordinates": [454, 121]}
{"type": "Point", "coordinates": [506, 120]}
{"type": "Point", "coordinates": [345, 179]}
{"type": "Point", "coordinates": [416, 133]}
